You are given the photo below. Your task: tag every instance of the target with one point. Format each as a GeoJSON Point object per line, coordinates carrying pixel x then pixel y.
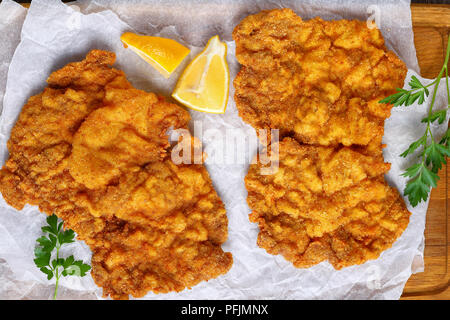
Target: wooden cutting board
{"type": "Point", "coordinates": [431, 24]}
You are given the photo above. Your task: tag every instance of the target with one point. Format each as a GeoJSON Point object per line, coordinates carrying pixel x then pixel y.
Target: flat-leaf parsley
{"type": "Point", "coordinates": [423, 175]}
{"type": "Point", "coordinates": [53, 241]}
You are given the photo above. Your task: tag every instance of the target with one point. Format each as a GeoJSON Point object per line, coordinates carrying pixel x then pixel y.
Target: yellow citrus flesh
{"type": "Point", "coordinates": [165, 55]}
{"type": "Point", "coordinates": [203, 86]}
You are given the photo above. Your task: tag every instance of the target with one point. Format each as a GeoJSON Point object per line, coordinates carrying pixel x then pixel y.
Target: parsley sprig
{"type": "Point", "coordinates": [56, 237]}
{"type": "Point", "coordinates": [424, 175]}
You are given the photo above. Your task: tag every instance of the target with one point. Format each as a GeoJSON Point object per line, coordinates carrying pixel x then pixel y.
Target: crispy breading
{"type": "Point", "coordinates": [93, 150]}
{"type": "Point", "coordinates": [319, 81]}
{"type": "Point", "coordinates": [133, 124]}
{"type": "Point", "coordinates": [325, 203]}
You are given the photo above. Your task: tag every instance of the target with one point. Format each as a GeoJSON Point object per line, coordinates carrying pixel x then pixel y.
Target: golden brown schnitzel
{"type": "Point", "coordinates": [325, 203]}
{"type": "Point", "coordinates": [319, 83]}
{"type": "Point", "coordinates": [93, 150]}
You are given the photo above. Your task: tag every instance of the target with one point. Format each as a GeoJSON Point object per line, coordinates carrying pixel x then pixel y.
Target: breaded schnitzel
{"type": "Point", "coordinates": [133, 127]}
{"type": "Point", "coordinates": [319, 81]}
{"type": "Point", "coordinates": [325, 203]}
{"type": "Point", "coordinates": [93, 150]}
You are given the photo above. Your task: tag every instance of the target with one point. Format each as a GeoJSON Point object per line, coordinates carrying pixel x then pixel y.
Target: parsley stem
{"type": "Point", "coordinates": [430, 84]}
{"type": "Point", "coordinates": [425, 141]}
{"type": "Point", "coordinates": [438, 80]}
{"type": "Point", "coordinates": [448, 52]}
{"type": "Point", "coordinates": [446, 82]}
{"type": "Point", "coordinates": [56, 289]}
{"type": "Point", "coordinates": [57, 275]}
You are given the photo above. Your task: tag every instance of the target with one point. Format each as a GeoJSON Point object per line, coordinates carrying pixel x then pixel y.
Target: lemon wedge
{"type": "Point", "coordinates": [203, 86]}
{"type": "Point", "coordinates": [165, 55]}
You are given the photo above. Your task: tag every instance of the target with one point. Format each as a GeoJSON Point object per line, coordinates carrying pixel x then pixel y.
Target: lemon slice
{"type": "Point", "coordinates": [165, 55]}
{"type": "Point", "coordinates": [203, 86]}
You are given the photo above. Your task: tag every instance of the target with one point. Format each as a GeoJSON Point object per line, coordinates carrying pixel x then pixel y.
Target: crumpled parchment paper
{"type": "Point", "coordinates": [54, 34]}
{"type": "Point", "coordinates": [12, 16]}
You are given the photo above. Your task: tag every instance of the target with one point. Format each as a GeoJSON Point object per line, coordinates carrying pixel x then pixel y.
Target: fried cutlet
{"type": "Point", "coordinates": [318, 81]}
{"type": "Point", "coordinates": [93, 150]}
{"type": "Point", "coordinates": [325, 203]}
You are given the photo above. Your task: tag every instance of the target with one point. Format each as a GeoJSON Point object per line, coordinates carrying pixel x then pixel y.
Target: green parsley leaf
{"type": "Point", "coordinates": [413, 98]}
{"type": "Point", "coordinates": [48, 272]}
{"type": "Point", "coordinates": [392, 98]}
{"type": "Point", "coordinates": [416, 191]}
{"type": "Point", "coordinates": [46, 244]}
{"type": "Point", "coordinates": [413, 146]}
{"type": "Point", "coordinates": [445, 139]}
{"type": "Point", "coordinates": [52, 227]}
{"type": "Point", "coordinates": [434, 155]}
{"type": "Point", "coordinates": [429, 178]}
{"type": "Point", "coordinates": [67, 236]}
{"type": "Point", "coordinates": [440, 115]}
{"type": "Point", "coordinates": [78, 268]}
{"type": "Point", "coordinates": [407, 97]}
{"type": "Point", "coordinates": [42, 257]}
{"type": "Point", "coordinates": [413, 171]}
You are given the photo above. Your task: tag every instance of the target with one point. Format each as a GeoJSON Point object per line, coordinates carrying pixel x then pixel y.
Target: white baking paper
{"type": "Point", "coordinates": [55, 34]}
{"type": "Point", "coordinates": [12, 16]}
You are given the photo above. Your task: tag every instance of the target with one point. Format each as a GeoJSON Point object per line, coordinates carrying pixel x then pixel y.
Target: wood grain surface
{"type": "Point", "coordinates": [431, 24]}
